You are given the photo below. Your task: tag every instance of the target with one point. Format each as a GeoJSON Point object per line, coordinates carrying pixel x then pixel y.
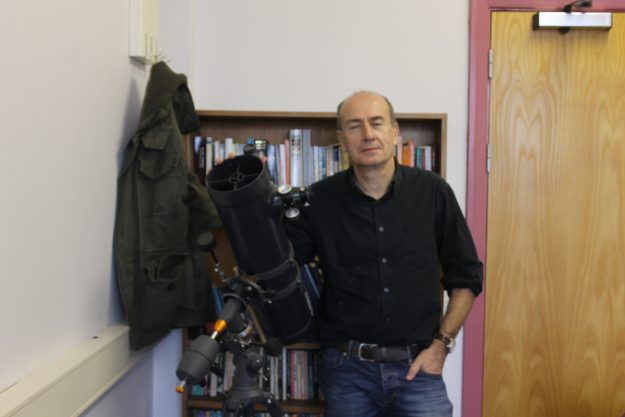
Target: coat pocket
{"type": "Point", "coordinates": [161, 290]}
{"type": "Point", "coordinates": [163, 178]}
{"type": "Point", "coordinates": [156, 157]}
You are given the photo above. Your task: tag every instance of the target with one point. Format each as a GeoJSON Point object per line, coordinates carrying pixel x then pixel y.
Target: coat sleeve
{"type": "Point", "coordinates": [202, 210]}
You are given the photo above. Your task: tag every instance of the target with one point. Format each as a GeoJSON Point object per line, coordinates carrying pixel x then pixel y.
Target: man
{"type": "Point", "coordinates": [381, 231]}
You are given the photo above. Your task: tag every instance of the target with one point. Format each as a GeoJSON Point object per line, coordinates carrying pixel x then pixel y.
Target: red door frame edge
{"type": "Point", "coordinates": [477, 179]}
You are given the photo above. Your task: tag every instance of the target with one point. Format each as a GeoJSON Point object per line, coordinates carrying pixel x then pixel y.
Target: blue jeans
{"type": "Point", "coordinates": [354, 388]}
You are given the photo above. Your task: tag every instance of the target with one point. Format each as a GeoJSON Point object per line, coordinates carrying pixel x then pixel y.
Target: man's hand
{"type": "Point", "coordinates": [430, 360]}
{"type": "Point", "coordinates": [229, 156]}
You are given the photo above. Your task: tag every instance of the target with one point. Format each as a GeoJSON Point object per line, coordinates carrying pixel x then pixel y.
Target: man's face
{"type": "Point", "coordinates": [368, 134]}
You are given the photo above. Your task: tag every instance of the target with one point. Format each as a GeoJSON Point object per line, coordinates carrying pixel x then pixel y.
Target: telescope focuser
{"type": "Point", "coordinates": [289, 200]}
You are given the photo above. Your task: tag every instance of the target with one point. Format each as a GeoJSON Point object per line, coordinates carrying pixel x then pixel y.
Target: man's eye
{"type": "Point", "coordinates": [353, 126]}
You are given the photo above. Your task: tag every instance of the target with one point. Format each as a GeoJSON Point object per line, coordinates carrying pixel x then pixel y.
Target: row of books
{"type": "Point", "coordinates": [421, 156]}
{"type": "Point", "coordinates": [296, 161]}
{"type": "Point", "coordinates": [289, 376]}
{"type": "Point", "coordinates": [293, 161]}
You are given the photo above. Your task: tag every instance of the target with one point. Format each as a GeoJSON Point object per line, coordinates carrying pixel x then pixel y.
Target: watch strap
{"type": "Point", "coordinates": [446, 339]}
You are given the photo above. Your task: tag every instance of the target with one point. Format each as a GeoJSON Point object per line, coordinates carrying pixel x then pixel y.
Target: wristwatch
{"type": "Point", "coordinates": [448, 341]}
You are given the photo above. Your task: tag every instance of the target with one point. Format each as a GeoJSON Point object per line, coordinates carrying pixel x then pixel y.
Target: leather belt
{"type": "Point", "coordinates": [369, 352]}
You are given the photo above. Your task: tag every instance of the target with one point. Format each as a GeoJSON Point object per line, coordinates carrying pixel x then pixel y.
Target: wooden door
{"type": "Point", "coordinates": [555, 304]}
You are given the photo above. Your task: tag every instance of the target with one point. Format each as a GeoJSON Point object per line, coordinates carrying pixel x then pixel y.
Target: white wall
{"type": "Point", "coordinates": [294, 55]}
{"type": "Point", "coordinates": [70, 101]}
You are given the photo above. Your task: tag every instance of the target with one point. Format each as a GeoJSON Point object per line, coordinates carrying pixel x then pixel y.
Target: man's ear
{"type": "Point", "coordinates": [341, 139]}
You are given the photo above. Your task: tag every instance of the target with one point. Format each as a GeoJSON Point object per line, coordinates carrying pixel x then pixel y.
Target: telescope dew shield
{"type": "Point", "coordinates": [243, 193]}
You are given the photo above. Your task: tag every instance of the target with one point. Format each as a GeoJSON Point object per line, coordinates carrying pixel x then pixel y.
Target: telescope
{"type": "Point", "coordinates": [267, 300]}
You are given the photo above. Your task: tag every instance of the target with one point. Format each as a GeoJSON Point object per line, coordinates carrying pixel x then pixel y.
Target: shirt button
{"type": "Point", "coordinates": [386, 290]}
{"type": "Point", "coordinates": [383, 260]}
{"type": "Point", "coordinates": [381, 228]}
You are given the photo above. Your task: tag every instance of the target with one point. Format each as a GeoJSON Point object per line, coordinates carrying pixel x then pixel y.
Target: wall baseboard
{"type": "Point", "coordinates": [76, 380]}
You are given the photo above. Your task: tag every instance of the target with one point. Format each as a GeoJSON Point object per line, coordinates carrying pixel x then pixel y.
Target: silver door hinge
{"type": "Point", "coordinates": [488, 158]}
{"type": "Point", "coordinates": [490, 63]}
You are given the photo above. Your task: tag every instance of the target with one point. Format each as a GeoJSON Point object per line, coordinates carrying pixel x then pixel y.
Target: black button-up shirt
{"type": "Point", "coordinates": [382, 259]}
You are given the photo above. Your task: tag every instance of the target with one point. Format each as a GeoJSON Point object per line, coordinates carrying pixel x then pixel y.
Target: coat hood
{"type": "Point", "coordinates": [165, 88]}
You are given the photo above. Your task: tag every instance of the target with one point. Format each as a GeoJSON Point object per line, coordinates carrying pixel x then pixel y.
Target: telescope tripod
{"type": "Point", "coordinates": [232, 332]}
{"type": "Point", "coordinates": [245, 391]}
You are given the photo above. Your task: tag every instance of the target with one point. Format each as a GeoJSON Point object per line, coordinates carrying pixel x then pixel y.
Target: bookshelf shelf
{"type": "Point", "coordinates": [291, 406]}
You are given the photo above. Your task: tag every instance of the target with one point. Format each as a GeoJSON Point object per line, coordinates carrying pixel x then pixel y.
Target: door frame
{"type": "Point", "coordinates": [477, 179]}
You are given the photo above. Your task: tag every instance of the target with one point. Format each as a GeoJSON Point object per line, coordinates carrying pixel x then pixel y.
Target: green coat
{"type": "Point", "coordinates": [161, 208]}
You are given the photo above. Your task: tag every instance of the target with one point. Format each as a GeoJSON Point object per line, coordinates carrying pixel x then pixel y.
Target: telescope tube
{"type": "Point", "coordinates": [243, 193]}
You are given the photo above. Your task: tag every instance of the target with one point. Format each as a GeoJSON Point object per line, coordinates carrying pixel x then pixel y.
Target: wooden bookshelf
{"type": "Point", "coordinates": [424, 129]}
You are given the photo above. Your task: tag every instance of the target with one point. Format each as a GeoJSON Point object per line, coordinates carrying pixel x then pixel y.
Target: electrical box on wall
{"type": "Point", "coordinates": [144, 31]}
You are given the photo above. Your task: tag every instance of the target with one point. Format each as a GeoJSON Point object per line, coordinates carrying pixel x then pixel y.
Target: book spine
{"type": "Point", "coordinates": [282, 163]}
{"type": "Point", "coordinates": [307, 159]}
{"type": "Point", "coordinates": [287, 160]}
{"type": "Point", "coordinates": [229, 148]}
{"type": "Point", "coordinates": [295, 142]}
{"type": "Point", "coordinates": [208, 158]}
{"type": "Point", "coordinates": [398, 149]}
{"type": "Point", "coordinates": [428, 158]}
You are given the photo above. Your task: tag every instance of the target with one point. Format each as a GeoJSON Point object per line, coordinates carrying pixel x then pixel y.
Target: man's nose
{"type": "Point", "coordinates": [367, 131]}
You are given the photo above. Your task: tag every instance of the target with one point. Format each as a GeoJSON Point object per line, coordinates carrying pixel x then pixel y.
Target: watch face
{"type": "Point", "coordinates": [451, 345]}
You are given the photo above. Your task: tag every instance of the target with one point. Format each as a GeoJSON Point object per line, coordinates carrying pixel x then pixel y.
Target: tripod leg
{"type": "Point", "coordinates": [272, 406]}
{"type": "Point", "coordinates": [231, 408]}
{"type": "Point", "coordinates": [248, 411]}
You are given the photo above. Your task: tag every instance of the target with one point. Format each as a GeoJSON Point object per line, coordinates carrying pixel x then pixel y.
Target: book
{"type": "Point", "coordinates": [218, 150]}
{"type": "Point", "coordinates": [427, 158]}
{"type": "Point", "coordinates": [296, 149]}
{"type": "Point", "coordinates": [285, 378]}
{"type": "Point", "coordinates": [307, 159]}
{"type": "Point", "coordinates": [329, 161]}
{"type": "Point", "coordinates": [199, 157]}
{"type": "Point", "coordinates": [282, 164]}
{"type": "Point", "coordinates": [408, 153]}
{"type": "Point", "coordinates": [212, 385]}
{"type": "Point", "coordinates": [311, 286]}
{"type": "Point", "coordinates": [287, 161]}
{"type": "Point", "coordinates": [209, 162]}
{"type": "Point", "coordinates": [228, 370]}
{"type": "Point", "coordinates": [398, 149]}
{"type": "Point", "coordinates": [229, 148]}
{"type": "Point", "coordinates": [217, 297]}
{"type": "Point", "coordinates": [272, 163]}
{"type": "Point", "coordinates": [344, 159]}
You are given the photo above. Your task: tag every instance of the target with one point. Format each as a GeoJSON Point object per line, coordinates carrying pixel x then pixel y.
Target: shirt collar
{"type": "Point", "coordinates": [396, 181]}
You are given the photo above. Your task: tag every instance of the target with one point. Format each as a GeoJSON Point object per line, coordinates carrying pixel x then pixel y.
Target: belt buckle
{"type": "Point", "coordinates": [365, 345]}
